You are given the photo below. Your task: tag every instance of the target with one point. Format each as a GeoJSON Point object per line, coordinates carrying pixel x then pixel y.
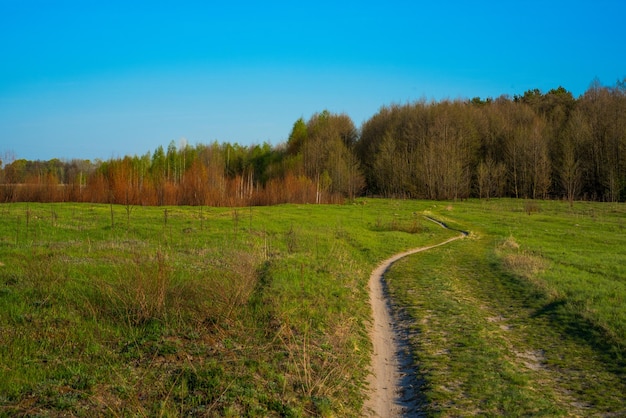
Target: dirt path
{"type": "Point", "coordinates": [390, 396]}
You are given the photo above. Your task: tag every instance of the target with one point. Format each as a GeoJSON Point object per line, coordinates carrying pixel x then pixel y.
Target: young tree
{"type": "Point", "coordinates": [385, 168]}
{"type": "Point", "coordinates": [158, 173]}
{"type": "Point", "coordinates": [538, 161]}
{"type": "Point", "coordinates": [297, 137]}
{"type": "Point", "coordinates": [570, 161]}
{"type": "Point", "coordinates": [490, 178]}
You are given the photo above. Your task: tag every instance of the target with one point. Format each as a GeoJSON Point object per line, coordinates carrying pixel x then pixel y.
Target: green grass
{"type": "Point", "coordinates": [264, 311]}
{"type": "Point", "coordinates": [192, 311]}
{"type": "Point", "coordinates": [526, 316]}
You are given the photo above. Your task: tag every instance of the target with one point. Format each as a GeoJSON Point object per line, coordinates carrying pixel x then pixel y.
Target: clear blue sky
{"type": "Point", "coordinates": [101, 79]}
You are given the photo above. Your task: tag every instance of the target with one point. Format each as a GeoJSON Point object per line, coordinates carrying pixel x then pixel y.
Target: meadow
{"type": "Point", "coordinates": [524, 317]}
{"type": "Point", "coordinates": [263, 311]}
{"type": "Point", "coordinates": [167, 311]}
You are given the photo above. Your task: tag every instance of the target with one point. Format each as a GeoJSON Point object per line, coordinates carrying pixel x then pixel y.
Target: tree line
{"type": "Point", "coordinates": [536, 145]}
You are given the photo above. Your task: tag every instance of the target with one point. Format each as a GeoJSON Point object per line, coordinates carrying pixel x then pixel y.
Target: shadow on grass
{"type": "Point", "coordinates": [563, 317]}
{"type": "Point", "coordinates": [569, 323]}
{"type": "Point", "coordinates": [260, 303]}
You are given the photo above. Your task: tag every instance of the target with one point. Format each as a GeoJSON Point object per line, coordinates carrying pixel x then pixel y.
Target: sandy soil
{"type": "Point", "coordinates": [391, 385]}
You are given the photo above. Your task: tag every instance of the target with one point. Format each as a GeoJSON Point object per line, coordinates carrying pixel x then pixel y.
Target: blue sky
{"type": "Point", "coordinates": [95, 79]}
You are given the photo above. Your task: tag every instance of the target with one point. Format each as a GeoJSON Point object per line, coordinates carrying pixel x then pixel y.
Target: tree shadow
{"type": "Point", "coordinates": [570, 324]}
{"type": "Point", "coordinates": [562, 316]}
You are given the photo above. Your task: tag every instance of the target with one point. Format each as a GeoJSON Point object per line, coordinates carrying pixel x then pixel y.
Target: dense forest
{"type": "Point", "coordinates": [538, 145]}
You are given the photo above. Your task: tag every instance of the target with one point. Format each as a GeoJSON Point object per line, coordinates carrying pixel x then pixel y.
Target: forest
{"type": "Point", "coordinates": [535, 146]}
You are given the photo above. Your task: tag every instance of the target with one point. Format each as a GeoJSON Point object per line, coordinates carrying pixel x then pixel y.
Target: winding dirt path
{"type": "Point", "coordinates": [389, 396]}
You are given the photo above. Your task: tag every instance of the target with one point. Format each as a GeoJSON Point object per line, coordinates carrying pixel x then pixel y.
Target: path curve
{"type": "Point", "coordinates": [385, 389]}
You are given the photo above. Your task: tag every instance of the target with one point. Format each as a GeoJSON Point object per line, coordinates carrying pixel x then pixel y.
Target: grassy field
{"type": "Point", "coordinates": [114, 310]}
{"type": "Point", "coordinates": [526, 316]}
{"type": "Point", "coordinates": [263, 311]}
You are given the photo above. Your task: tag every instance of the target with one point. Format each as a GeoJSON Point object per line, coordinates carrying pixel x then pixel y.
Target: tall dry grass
{"type": "Point", "coordinates": [155, 289]}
